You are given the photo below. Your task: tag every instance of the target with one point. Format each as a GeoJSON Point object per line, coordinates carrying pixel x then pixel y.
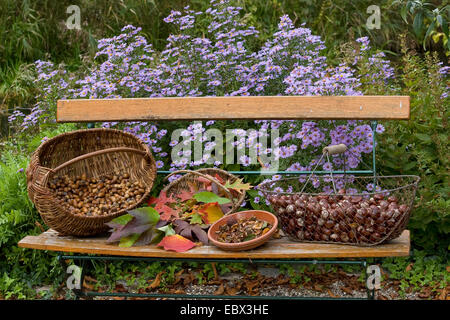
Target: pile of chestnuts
{"type": "Point", "coordinates": [342, 218]}
{"type": "Point", "coordinates": [96, 196]}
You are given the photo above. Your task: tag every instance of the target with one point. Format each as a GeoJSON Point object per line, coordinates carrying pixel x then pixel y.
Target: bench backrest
{"type": "Point", "coordinates": [230, 108]}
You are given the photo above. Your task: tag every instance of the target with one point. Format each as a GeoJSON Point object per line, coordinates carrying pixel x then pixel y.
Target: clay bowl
{"type": "Point", "coordinates": [246, 245]}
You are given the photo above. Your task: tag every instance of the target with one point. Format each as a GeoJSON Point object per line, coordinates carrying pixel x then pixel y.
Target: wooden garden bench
{"type": "Point", "coordinates": [227, 108]}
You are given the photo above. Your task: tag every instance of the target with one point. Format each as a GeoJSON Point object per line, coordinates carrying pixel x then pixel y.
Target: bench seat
{"type": "Point", "coordinates": [281, 248]}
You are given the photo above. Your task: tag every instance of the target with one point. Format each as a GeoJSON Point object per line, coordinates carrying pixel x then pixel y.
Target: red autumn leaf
{"type": "Point", "coordinates": [166, 212]}
{"type": "Point", "coordinates": [219, 178]}
{"type": "Point", "coordinates": [162, 198]}
{"type": "Point", "coordinates": [204, 180]}
{"type": "Point", "coordinates": [210, 212]}
{"type": "Point", "coordinates": [161, 205]}
{"type": "Point", "coordinates": [176, 243]}
{"type": "Point", "coordinates": [185, 195]}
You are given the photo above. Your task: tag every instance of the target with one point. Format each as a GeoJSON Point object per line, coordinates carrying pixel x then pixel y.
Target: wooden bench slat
{"type": "Point", "coordinates": [274, 249]}
{"type": "Point", "coordinates": [231, 108]}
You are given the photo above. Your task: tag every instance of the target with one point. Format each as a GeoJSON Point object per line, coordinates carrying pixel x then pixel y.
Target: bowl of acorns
{"type": "Point", "coordinates": [243, 230]}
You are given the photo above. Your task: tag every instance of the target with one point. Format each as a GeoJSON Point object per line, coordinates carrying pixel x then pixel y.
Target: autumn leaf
{"type": "Point", "coordinates": [155, 284]}
{"type": "Point", "coordinates": [190, 231]}
{"type": "Point", "coordinates": [167, 213]}
{"type": "Point", "coordinates": [185, 195]}
{"type": "Point", "coordinates": [205, 181]}
{"type": "Point", "coordinates": [196, 219]}
{"type": "Point", "coordinates": [162, 198]}
{"type": "Point", "coordinates": [136, 222]}
{"type": "Point", "coordinates": [219, 178]}
{"type": "Point", "coordinates": [220, 291]}
{"type": "Point", "coordinates": [176, 243]}
{"type": "Point", "coordinates": [210, 212]}
{"type": "Point", "coordinates": [238, 185]}
{"type": "Point", "coordinates": [167, 229]}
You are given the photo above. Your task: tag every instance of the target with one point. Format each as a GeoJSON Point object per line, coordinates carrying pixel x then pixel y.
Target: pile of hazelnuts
{"type": "Point", "coordinates": [343, 218]}
{"type": "Point", "coordinates": [96, 196]}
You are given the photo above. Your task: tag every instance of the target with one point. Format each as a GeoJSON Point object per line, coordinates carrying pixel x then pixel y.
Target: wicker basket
{"type": "Point", "coordinates": [95, 153]}
{"type": "Point", "coordinates": [181, 184]}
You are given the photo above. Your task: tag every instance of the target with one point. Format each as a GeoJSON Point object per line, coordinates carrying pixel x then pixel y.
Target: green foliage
{"type": "Point", "coordinates": [420, 147]}
{"type": "Point", "coordinates": [20, 269]}
{"type": "Point", "coordinates": [418, 271]}
{"type": "Point", "coordinates": [429, 20]}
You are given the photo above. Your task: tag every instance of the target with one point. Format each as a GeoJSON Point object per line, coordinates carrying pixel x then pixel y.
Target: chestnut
{"type": "Point", "coordinates": [392, 199]}
{"type": "Point", "coordinates": [334, 237]}
{"type": "Point", "coordinates": [329, 224]}
{"type": "Point", "coordinates": [290, 208]}
{"type": "Point", "coordinates": [344, 237]}
{"type": "Point", "coordinates": [403, 208]}
{"type": "Point", "coordinates": [378, 196]}
{"type": "Point", "coordinates": [325, 237]}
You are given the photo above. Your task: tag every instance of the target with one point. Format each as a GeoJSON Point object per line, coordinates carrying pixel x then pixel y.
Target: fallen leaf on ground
{"type": "Point", "coordinates": [88, 278]}
{"type": "Point", "coordinates": [232, 291]}
{"type": "Point", "coordinates": [347, 290]}
{"type": "Point", "coordinates": [155, 284]}
{"type": "Point", "coordinates": [178, 277]}
{"type": "Point", "coordinates": [409, 267]}
{"type": "Point", "coordinates": [443, 294]}
{"type": "Point", "coordinates": [88, 286]}
{"type": "Point", "coordinates": [250, 285]}
{"type": "Point", "coordinates": [318, 288]}
{"type": "Point", "coordinates": [120, 288]}
{"type": "Point", "coordinates": [331, 294]}
{"type": "Point", "coordinates": [216, 274]}
{"type": "Point", "coordinates": [219, 290]}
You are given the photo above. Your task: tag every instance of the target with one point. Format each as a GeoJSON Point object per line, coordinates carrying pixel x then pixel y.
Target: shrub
{"type": "Point", "coordinates": [20, 269]}
{"type": "Point", "coordinates": [420, 146]}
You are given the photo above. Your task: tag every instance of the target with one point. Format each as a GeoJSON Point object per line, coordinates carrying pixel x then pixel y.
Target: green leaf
{"type": "Point", "coordinates": [403, 13]}
{"type": "Point", "coordinates": [168, 230]}
{"type": "Point", "coordinates": [128, 241]}
{"type": "Point", "coordinates": [196, 218]}
{"type": "Point", "coordinates": [409, 166]}
{"type": "Point", "coordinates": [122, 220]}
{"type": "Point", "coordinates": [210, 197]}
{"type": "Point", "coordinates": [145, 215]}
{"type": "Point", "coordinates": [249, 237]}
{"type": "Point", "coordinates": [423, 137]}
{"type": "Point", "coordinates": [430, 29]}
{"type": "Point", "coordinates": [417, 24]}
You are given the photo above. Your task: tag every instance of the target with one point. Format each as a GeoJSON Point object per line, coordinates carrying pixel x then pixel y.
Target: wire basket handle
{"type": "Point", "coordinates": [331, 149]}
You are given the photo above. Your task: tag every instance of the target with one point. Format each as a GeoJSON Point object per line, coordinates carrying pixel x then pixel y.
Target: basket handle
{"type": "Point", "coordinates": [96, 153]}
{"type": "Point", "coordinates": [210, 178]}
{"type": "Point", "coordinates": [335, 149]}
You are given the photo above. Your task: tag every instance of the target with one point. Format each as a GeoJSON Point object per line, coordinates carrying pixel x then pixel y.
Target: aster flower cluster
{"type": "Point", "coordinates": [218, 62]}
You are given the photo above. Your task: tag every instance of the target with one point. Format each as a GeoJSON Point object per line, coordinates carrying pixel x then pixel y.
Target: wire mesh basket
{"type": "Point", "coordinates": [342, 208]}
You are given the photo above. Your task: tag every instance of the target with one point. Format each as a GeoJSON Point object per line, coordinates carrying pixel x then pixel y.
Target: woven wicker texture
{"type": "Point", "coordinates": [86, 152]}
{"type": "Point", "coordinates": [191, 177]}
{"type": "Point", "coordinates": [366, 210]}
